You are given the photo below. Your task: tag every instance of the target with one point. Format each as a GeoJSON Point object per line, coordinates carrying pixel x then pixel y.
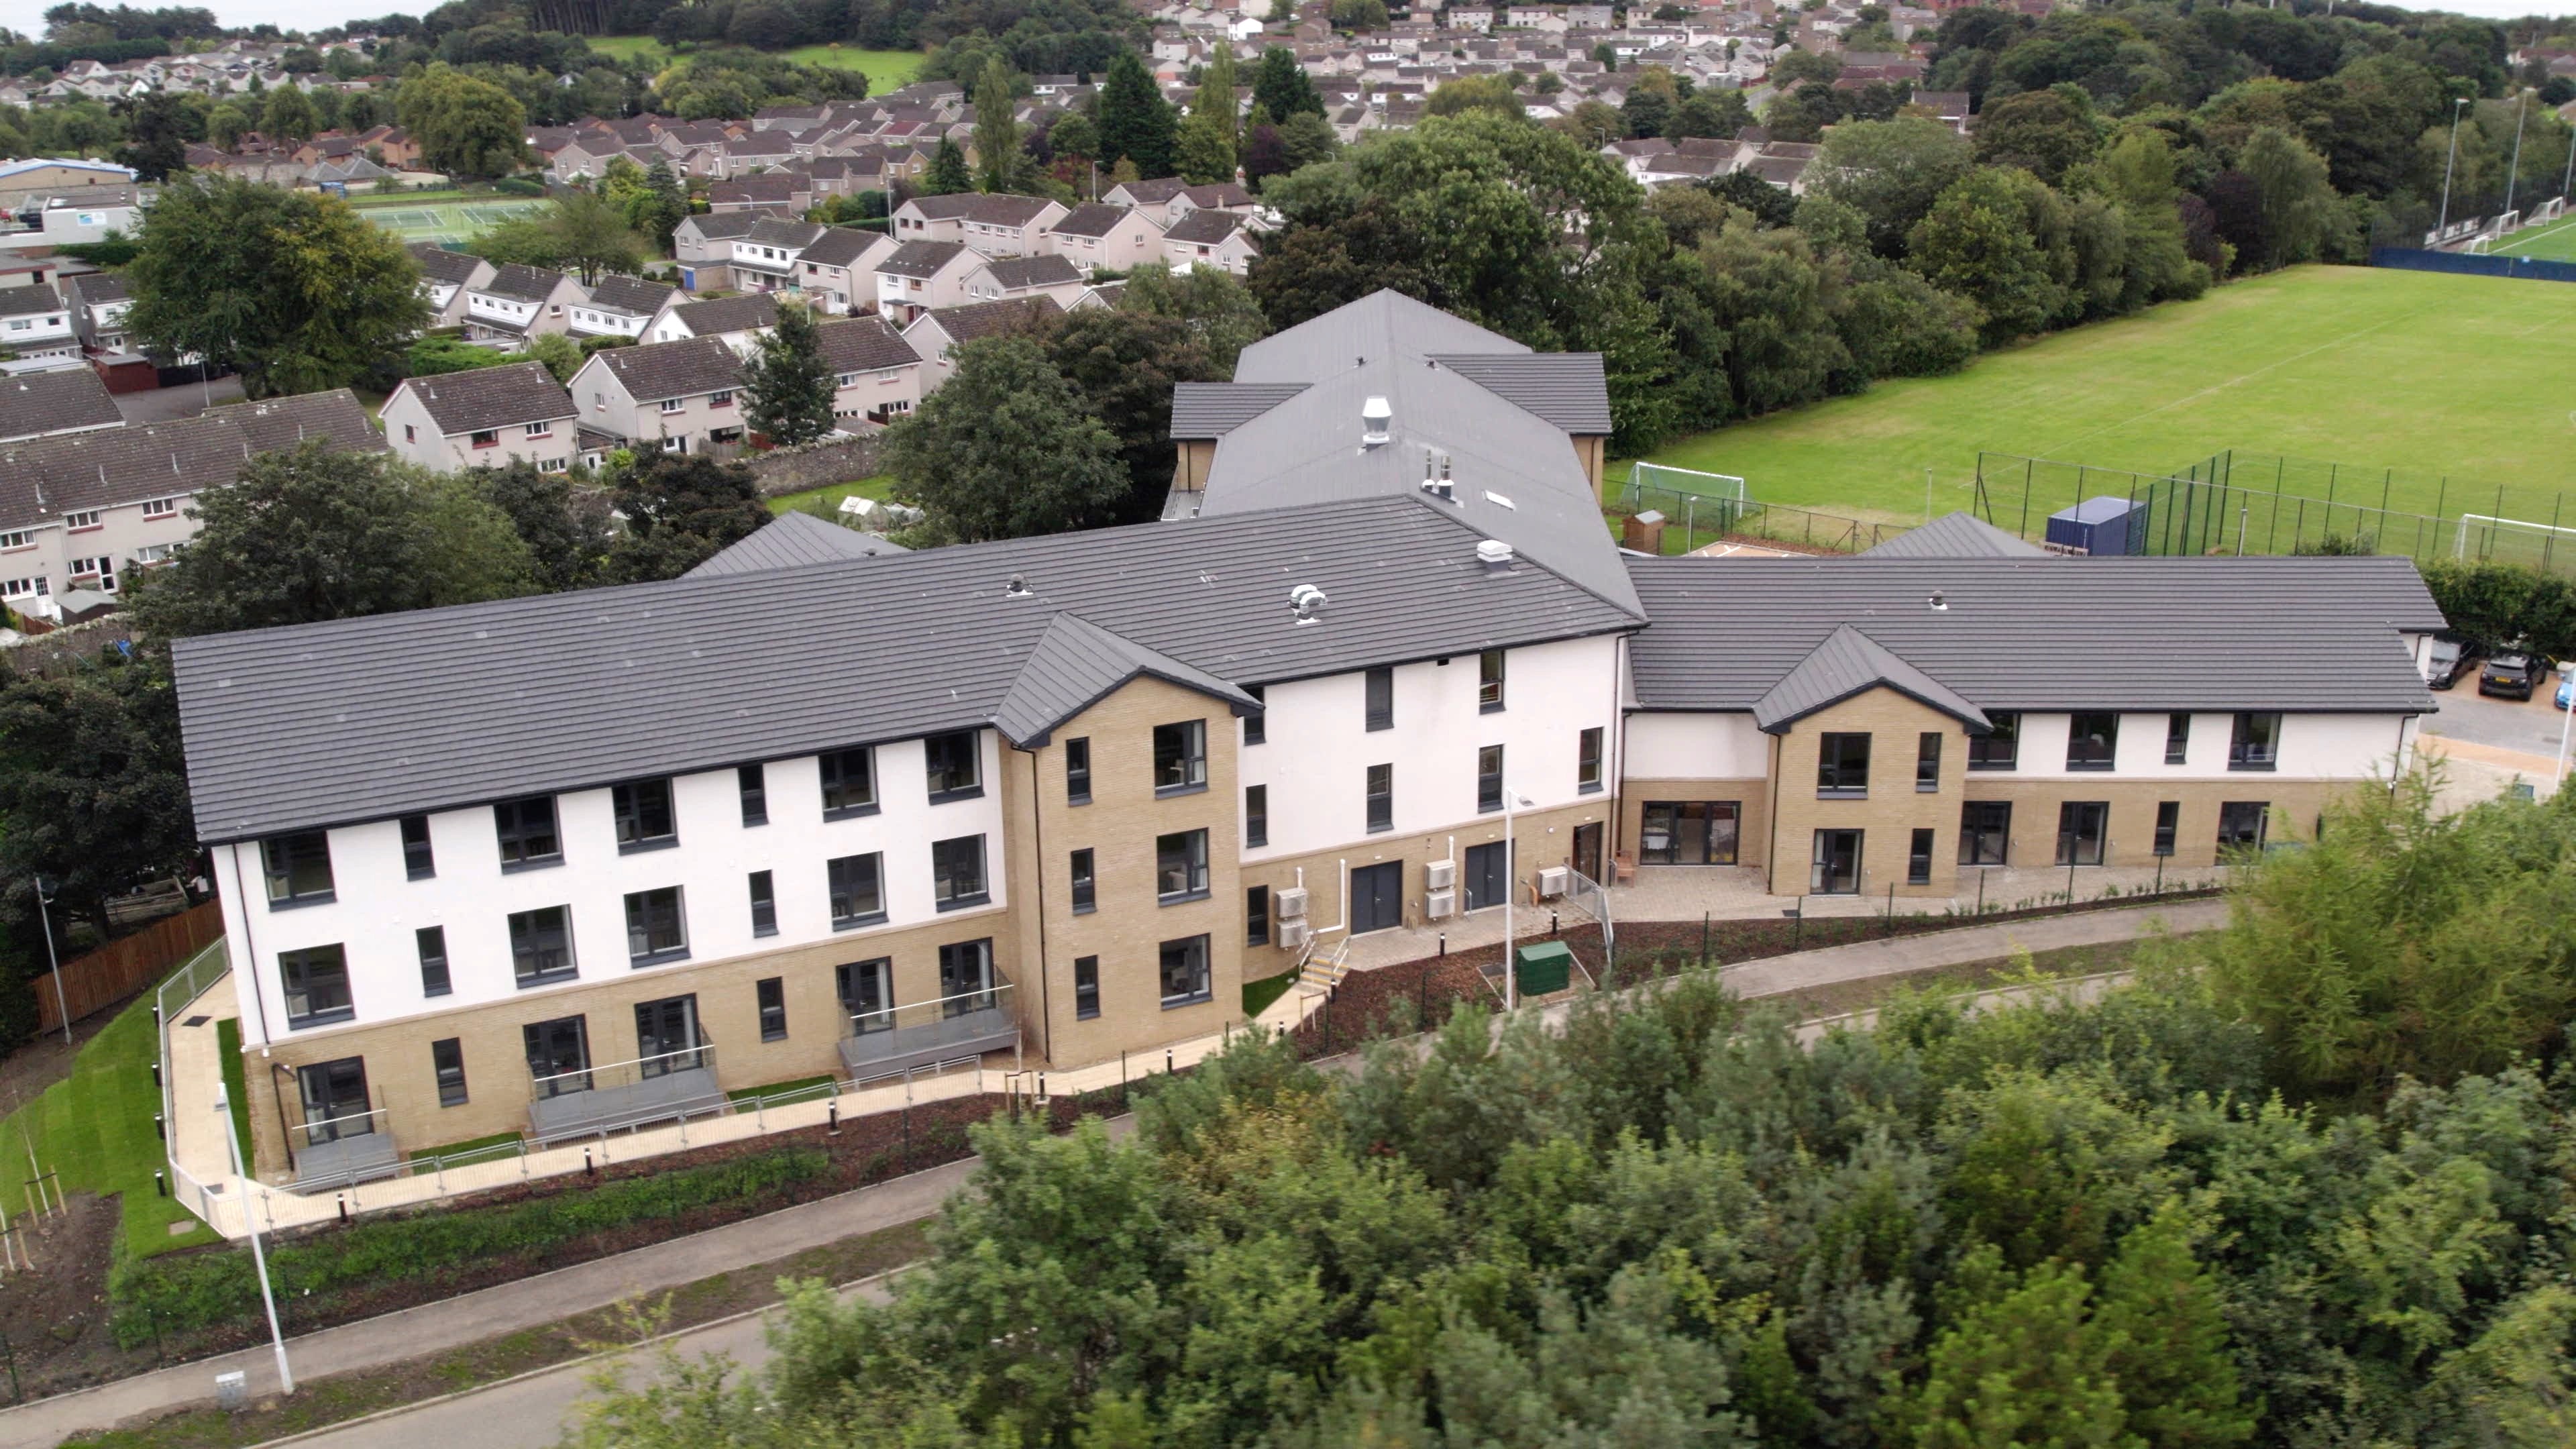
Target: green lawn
{"type": "Point", "coordinates": [831, 494]}
{"type": "Point", "coordinates": [2553, 242]}
{"type": "Point", "coordinates": [2432, 375]}
{"type": "Point", "coordinates": [95, 1129]}
{"type": "Point", "coordinates": [1257, 995]}
{"type": "Point", "coordinates": [885, 69]}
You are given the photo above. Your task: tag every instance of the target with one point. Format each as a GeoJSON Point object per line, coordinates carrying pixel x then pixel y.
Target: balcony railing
{"type": "Point", "coordinates": [336, 1152]}
{"type": "Point", "coordinates": [620, 1095]}
{"type": "Point", "coordinates": [953, 1028]}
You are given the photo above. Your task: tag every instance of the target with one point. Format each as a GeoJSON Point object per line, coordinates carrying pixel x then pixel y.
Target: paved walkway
{"type": "Point", "coordinates": [550, 1297]}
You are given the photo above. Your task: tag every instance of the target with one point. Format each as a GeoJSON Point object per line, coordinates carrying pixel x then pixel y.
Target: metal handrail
{"type": "Point", "coordinates": [891, 1017]}
{"type": "Point", "coordinates": [703, 1055]}
{"type": "Point", "coordinates": [307, 1128]}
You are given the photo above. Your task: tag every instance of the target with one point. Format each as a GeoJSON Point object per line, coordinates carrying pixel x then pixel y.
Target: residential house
{"type": "Point", "coordinates": [938, 331]}
{"type": "Point", "coordinates": [1020, 278]}
{"type": "Point", "coordinates": [920, 275]}
{"type": "Point", "coordinates": [773, 193]}
{"type": "Point", "coordinates": [764, 258]}
{"type": "Point", "coordinates": [36, 330]}
{"type": "Point", "coordinates": [1219, 239]}
{"type": "Point", "coordinates": [484, 417]}
{"type": "Point", "coordinates": [517, 302]}
{"type": "Point", "coordinates": [704, 247]}
{"type": "Point", "coordinates": [446, 276]}
{"type": "Point", "coordinates": [736, 321]}
{"type": "Point", "coordinates": [1224, 196]}
{"type": "Point", "coordinates": [876, 374]}
{"type": "Point", "coordinates": [677, 397]}
{"type": "Point", "coordinates": [98, 302]}
{"type": "Point", "coordinates": [994, 224]}
{"type": "Point", "coordinates": [837, 270]}
{"type": "Point", "coordinates": [44, 404]}
{"type": "Point", "coordinates": [622, 306]}
{"type": "Point", "coordinates": [1097, 234]}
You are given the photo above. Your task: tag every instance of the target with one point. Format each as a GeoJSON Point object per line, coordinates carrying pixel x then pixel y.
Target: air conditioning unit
{"type": "Point", "coordinates": [1440, 875]}
{"type": "Point", "coordinates": [1288, 903]}
{"type": "Point", "coordinates": [1440, 905]}
{"type": "Point", "coordinates": [1293, 935]}
{"type": "Point", "coordinates": [1554, 881]}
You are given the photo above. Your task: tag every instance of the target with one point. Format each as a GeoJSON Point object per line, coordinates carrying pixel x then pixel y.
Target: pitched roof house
{"type": "Point", "coordinates": [482, 418]}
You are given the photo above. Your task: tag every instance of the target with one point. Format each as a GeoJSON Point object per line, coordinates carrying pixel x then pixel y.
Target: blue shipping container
{"type": "Point", "coordinates": [2099, 526]}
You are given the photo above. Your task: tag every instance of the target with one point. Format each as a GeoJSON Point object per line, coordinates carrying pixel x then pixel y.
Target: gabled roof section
{"type": "Point", "coordinates": [1075, 664]}
{"type": "Point", "coordinates": [1566, 388]}
{"type": "Point", "coordinates": [1093, 218]}
{"type": "Point", "coordinates": [839, 246]}
{"type": "Point", "coordinates": [864, 344]}
{"type": "Point", "coordinates": [1205, 227]}
{"type": "Point", "coordinates": [793, 540]}
{"type": "Point", "coordinates": [43, 478]}
{"type": "Point", "coordinates": [1206, 410]}
{"type": "Point", "coordinates": [921, 258]}
{"type": "Point", "coordinates": [988, 208]}
{"type": "Point", "coordinates": [29, 300]}
{"type": "Point", "coordinates": [484, 398]}
{"type": "Point", "coordinates": [631, 296]}
{"type": "Point", "coordinates": [719, 315]}
{"type": "Point", "coordinates": [1380, 325]}
{"type": "Point", "coordinates": [1956, 535]}
{"type": "Point", "coordinates": [659, 370]}
{"type": "Point", "coordinates": [985, 319]}
{"type": "Point", "coordinates": [1045, 269]}
{"type": "Point", "coordinates": [71, 400]}
{"type": "Point", "coordinates": [1847, 663]}
{"type": "Point", "coordinates": [522, 283]}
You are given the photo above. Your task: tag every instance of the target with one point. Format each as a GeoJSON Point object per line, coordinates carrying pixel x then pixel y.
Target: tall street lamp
{"type": "Point", "coordinates": [1512, 800]}
{"type": "Point", "coordinates": [2444, 224]}
{"type": "Point", "coordinates": [46, 889]}
{"type": "Point", "coordinates": [250, 1220]}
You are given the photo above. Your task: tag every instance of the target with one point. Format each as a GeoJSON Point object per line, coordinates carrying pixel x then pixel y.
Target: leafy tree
{"type": "Point", "coordinates": [1717, 113]}
{"type": "Point", "coordinates": [288, 117]}
{"type": "Point", "coordinates": [1006, 448]}
{"type": "Point", "coordinates": [650, 199]}
{"type": "Point", "coordinates": [294, 290]}
{"type": "Point", "coordinates": [1769, 205]}
{"type": "Point", "coordinates": [1123, 364]}
{"type": "Point", "coordinates": [1999, 238]}
{"type": "Point", "coordinates": [226, 123]}
{"type": "Point", "coordinates": [947, 174]}
{"type": "Point", "coordinates": [465, 126]}
{"type": "Point", "coordinates": [1205, 151]}
{"type": "Point", "coordinates": [1074, 137]}
{"type": "Point", "coordinates": [566, 529]}
{"type": "Point", "coordinates": [1135, 121]}
{"type": "Point", "coordinates": [1360, 16]}
{"type": "Point", "coordinates": [789, 383]}
{"type": "Point", "coordinates": [2043, 132]}
{"type": "Point", "coordinates": [313, 533]}
{"type": "Point", "coordinates": [1891, 171]}
{"type": "Point", "coordinates": [1305, 138]}
{"type": "Point", "coordinates": [1221, 315]}
{"type": "Point", "coordinates": [1777, 304]}
{"type": "Point", "coordinates": [2298, 205]}
{"type": "Point", "coordinates": [589, 234]}
{"type": "Point", "coordinates": [997, 129]}
{"type": "Point", "coordinates": [1308, 270]}
{"type": "Point", "coordinates": [1264, 154]}
{"type": "Point", "coordinates": [681, 509]}
{"type": "Point", "coordinates": [1474, 93]}
{"type": "Point", "coordinates": [562, 356]}
{"type": "Point", "coordinates": [157, 136]}
{"type": "Point", "coordinates": [1281, 87]}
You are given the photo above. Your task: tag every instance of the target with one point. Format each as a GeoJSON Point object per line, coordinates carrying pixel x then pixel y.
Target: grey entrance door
{"type": "Point", "coordinates": [1488, 876]}
{"type": "Point", "coordinates": [1377, 897]}
{"type": "Point", "coordinates": [666, 1035]}
{"type": "Point", "coordinates": [335, 1100]}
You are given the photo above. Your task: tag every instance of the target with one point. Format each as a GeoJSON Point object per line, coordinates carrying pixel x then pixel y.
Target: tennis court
{"type": "Point", "coordinates": [452, 221]}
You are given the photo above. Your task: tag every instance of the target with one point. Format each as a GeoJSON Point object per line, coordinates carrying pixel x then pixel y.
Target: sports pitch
{"type": "Point", "coordinates": [2552, 242]}
{"type": "Point", "coordinates": [449, 221]}
{"type": "Point", "coordinates": [2436, 376]}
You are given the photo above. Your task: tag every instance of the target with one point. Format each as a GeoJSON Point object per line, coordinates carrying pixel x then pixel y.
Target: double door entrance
{"type": "Point", "coordinates": [335, 1100]}
{"type": "Point", "coordinates": [1377, 897]}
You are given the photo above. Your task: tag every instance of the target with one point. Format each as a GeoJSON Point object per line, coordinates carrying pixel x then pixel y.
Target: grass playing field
{"type": "Point", "coordinates": [446, 221]}
{"type": "Point", "coordinates": [885, 69]}
{"type": "Point", "coordinates": [2552, 242]}
{"type": "Point", "coordinates": [2432, 375]}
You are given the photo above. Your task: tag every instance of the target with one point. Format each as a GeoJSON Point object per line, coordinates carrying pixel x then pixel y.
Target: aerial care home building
{"type": "Point", "coordinates": [569, 863]}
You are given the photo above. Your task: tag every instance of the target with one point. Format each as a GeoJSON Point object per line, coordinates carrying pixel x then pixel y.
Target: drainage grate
{"type": "Point", "coordinates": [197, 1021]}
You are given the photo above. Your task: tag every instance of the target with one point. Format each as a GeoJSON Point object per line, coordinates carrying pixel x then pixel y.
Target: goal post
{"type": "Point", "coordinates": [2488, 538]}
{"type": "Point", "coordinates": [1701, 500]}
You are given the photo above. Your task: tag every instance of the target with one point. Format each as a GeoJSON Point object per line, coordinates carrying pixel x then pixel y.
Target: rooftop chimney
{"type": "Point", "coordinates": [1438, 487]}
{"type": "Point", "coordinates": [1375, 418]}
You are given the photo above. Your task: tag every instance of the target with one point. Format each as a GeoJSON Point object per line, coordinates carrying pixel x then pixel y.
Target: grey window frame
{"type": "Point", "coordinates": [944, 874]}
{"type": "Point", "coordinates": [1256, 725]}
{"type": "Point", "coordinates": [1588, 760]}
{"type": "Point", "coordinates": [979, 996]}
{"type": "Point", "coordinates": [1999, 748]}
{"type": "Point", "coordinates": [1927, 763]}
{"type": "Point", "coordinates": [1086, 988]}
{"type": "Point", "coordinates": [420, 857]}
{"type": "Point", "coordinates": [1181, 854]}
{"type": "Point", "coordinates": [2242, 753]}
{"type": "Point", "coordinates": [1202, 987]}
{"type": "Point", "coordinates": [1834, 765]}
{"type": "Point", "coordinates": [431, 943]}
{"type": "Point", "coordinates": [1186, 771]}
{"type": "Point", "coordinates": [284, 858]}
{"type": "Point", "coordinates": [832, 769]}
{"type": "Point", "coordinates": [297, 981]}
{"type": "Point", "coordinates": [1492, 682]}
{"type": "Point", "coordinates": [839, 891]}
{"type": "Point", "coordinates": [1256, 815]}
{"type": "Point", "coordinates": [1083, 871]}
{"type": "Point", "coordinates": [1256, 915]}
{"type": "Point", "coordinates": [1077, 771]}
{"type": "Point", "coordinates": [2262, 825]}
{"type": "Point", "coordinates": [1918, 855]}
{"type": "Point", "coordinates": [1489, 779]}
{"type": "Point", "coordinates": [2078, 737]}
{"type": "Point", "coordinates": [1816, 863]}
{"type": "Point", "coordinates": [633, 804]}
{"type": "Point", "coordinates": [2070, 847]}
{"type": "Point", "coordinates": [511, 825]}
{"type": "Point", "coordinates": [649, 915]}
{"type": "Point", "coordinates": [1974, 832]}
{"type": "Point", "coordinates": [1377, 789]}
{"type": "Point", "coordinates": [769, 1002]}
{"type": "Point", "coordinates": [446, 1060]}
{"type": "Point", "coordinates": [525, 948]}
{"type": "Point", "coordinates": [763, 888]}
{"type": "Point", "coordinates": [2178, 737]}
{"type": "Point", "coordinates": [1377, 699]}
{"type": "Point", "coordinates": [938, 763]}
{"type": "Point", "coordinates": [2168, 825]}
{"type": "Point", "coordinates": [751, 783]}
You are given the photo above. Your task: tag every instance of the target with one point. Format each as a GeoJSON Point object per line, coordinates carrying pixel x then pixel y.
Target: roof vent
{"type": "Point", "coordinates": [1438, 487]}
{"type": "Point", "coordinates": [1375, 418]}
{"type": "Point", "coordinates": [1495, 555]}
{"type": "Point", "coordinates": [1939, 602]}
{"type": "Point", "coordinates": [1307, 602]}
{"type": "Point", "coordinates": [1017, 588]}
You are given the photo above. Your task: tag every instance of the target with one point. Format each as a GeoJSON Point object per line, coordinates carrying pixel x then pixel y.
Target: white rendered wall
{"type": "Point", "coordinates": [1697, 746]}
{"type": "Point", "coordinates": [2313, 746]}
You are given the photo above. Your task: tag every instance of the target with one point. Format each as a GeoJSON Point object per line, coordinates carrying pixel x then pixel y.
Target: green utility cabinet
{"type": "Point", "coordinates": [1544, 967]}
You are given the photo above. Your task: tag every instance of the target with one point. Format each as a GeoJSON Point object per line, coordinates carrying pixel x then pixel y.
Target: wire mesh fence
{"type": "Point", "coordinates": [1693, 521]}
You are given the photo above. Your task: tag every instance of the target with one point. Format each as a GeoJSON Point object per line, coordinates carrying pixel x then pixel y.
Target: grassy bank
{"type": "Point", "coordinates": [885, 69]}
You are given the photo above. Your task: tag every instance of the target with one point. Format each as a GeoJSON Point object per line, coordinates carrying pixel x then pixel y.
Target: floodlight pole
{"type": "Point", "coordinates": [1511, 888]}
{"type": "Point", "coordinates": [2444, 224]}
{"type": "Point", "coordinates": [2513, 172]}
{"type": "Point", "coordinates": [250, 1220]}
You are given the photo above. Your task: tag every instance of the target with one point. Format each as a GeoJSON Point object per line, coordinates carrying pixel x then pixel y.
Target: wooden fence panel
{"type": "Point", "coordinates": [126, 965]}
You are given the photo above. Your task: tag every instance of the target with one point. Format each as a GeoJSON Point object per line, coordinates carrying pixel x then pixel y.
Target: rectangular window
{"type": "Point", "coordinates": [1927, 762]}
{"type": "Point", "coordinates": [1256, 727]}
{"type": "Point", "coordinates": [752, 782]}
{"type": "Point", "coordinates": [849, 783]}
{"type": "Point", "coordinates": [2256, 742]}
{"type": "Point", "coordinates": [1181, 866]}
{"type": "Point", "coordinates": [966, 977]}
{"type": "Point", "coordinates": [771, 993]}
{"type": "Point", "coordinates": [418, 861]}
{"type": "Point", "coordinates": [644, 818]}
{"type": "Point", "coordinates": [485, 438]}
{"type": "Point", "coordinates": [2168, 821]}
{"type": "Point", "coordinates": [1985, 832]}
{"type": "Point", "coordinates": [298, 868]}
{"type": "Point", "coordinates": [857, 885]}
{"type": "Point", "coordinates": [1587, 760]}
{"type": "Point", "coordinates": [558, 1055]}
{"type": "Point", "coordinates": [954, 763]}
{"type": "Point", "coordinates": [447, 1064]}
{"type": "Point", "coordinates": [1086, 987]}
{"type": "Point", "coordinates": [1256, 815]}
{"type": "Point", "coordinates": [541, 945]}
{"type": "Point", "coordinates": [527, 831]}
{"type": "Point", "coordinates": [316, 981]}
{"type": "Point", "coordinates": [957, 872]}
{"type": "Point", "coordinates": [720, 398]}
{"type": "Point", "coordinates": [1256, 916]}
{"type": "Point", "coordinates": [1489, 778]}
{"type": "Point", "coordinates": [1381, 798]}
{"type": "Point", "coordinates": [1180, 757]}
{"type": "Point", "coordinates": [2092, 741]}
{"type": "Point", "coordinates": [1489, 681]}
{"type": "Point", "coordinates": [161, 508]}
{"type": "Point", "coordinates": [1380, 692]}
{"type": "Point", "coordinates": [764, 904]}
{"type": "Point", "coordinates": [541, 430]}
{"type": "Point", "coordinates": [1842, 766]}
{"type": "Point", "coordinates": [1085, 889]}
{"type": "Point", "coordinates": [1690, 832]}
{"type": "Point", "coordinates": [2241, 823]}
{"type": "Point", "coordinates": [2081, 826]}
{"type": "Point", "coordinates": [432, 941]}
{"type": "Point", "coordinates": [2177, 738]}
{"type": "Point", "coordinates": [867, 994]}
{"type": "Point", "coordinates": [1185, 972]}
{"type": "Point", "coordinates": [1834, 870]}
{"type": "Point", "coordinates": [80, 520]}
{"type": "Point", "coordinates": [1918, 859]}
{"type": "Point", "coordinates": [1077, 772]}
{"type": "Point", "coordinates": [674, 404]}
{"type": "Point", "coordinates": [2000, 747]}
{"type": "Point", "coordinates": [18, 539]}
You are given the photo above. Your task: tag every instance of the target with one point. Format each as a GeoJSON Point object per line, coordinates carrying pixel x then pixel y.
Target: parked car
{"type": "Point", "coordinates": [2443, 663]}
{"type": "Point", "coordinates": [2511, 675]}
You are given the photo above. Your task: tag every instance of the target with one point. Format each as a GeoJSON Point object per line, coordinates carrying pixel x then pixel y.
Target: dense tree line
{"type": "Point", "coordinates": [2243, 1202]}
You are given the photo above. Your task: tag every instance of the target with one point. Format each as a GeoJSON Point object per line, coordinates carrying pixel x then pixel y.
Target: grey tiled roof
{"type": "Point", "coordinates": [1205, 228]}
{"type": "Point", "coordinates": [632, 296]}
{"type": "Point", "coordinates": [1092, 218]}
{"type": "Point", "coordinates": [793, 540]}
{"type": "Point", "coordinates": [42, 478]}
{"type": "Point", "coordinates": [2298, 634]}
{"type": "Point", "coordinates": [864, 344]}
{"type": "Point", "coordinates": [444, 264]}
{"type": "Point", "coordinates": [1566, 388]}
{"type": "Point", "coordinates": [1956, 535]}
{"type": "Point", "coordinates": [364, 719]}
{"type": "Point", "coordinates": [1845, 664]}
{"type": "Point", "coordinates": [983, 319]}
{"type": "Point", "coordinates": [659, 370]}
{"type": "Point", "coordinates": [92, 289]}
{"type": "Point", "coordinates": [27, 301]}
{"type": "Point", "coordinates": [989, 208]}
{"type": "Point", "coordinates": [36, 403]}
{"type": "Point", "coordinates": [1075, 664]}
{"type": "Point", "coordinates": [521, 283]}
{"type": "Point", "coordinates": [839, 246]}
{"type": "Point", "coordinates": [724, 225]}
{"type": "Point", "coordinates": [793, 235]}
{"type": "Point", "coordinates": [728, 314]}
{"type": "Point", "coordinates": [491, 397]}
{"type": "Point", "coordinates": [1204, 410]}
{"type": "Point", "coordinates": [921, 258]}
{"type": "Point", "coordinates": [1043, 270]}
